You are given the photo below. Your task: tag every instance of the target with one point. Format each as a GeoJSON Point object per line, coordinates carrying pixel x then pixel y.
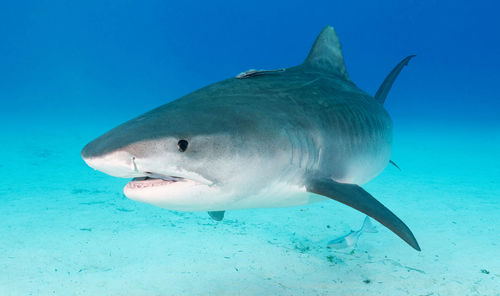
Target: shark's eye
{"type": "Point", "coordinates": [182, 145]}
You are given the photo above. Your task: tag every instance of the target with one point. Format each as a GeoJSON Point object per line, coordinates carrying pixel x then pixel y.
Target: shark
{"type": "Point", "coordinates": [261, 139]}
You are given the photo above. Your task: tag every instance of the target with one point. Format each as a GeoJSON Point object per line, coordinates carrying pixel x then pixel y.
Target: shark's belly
{"type": "Point", "coordinates": [276, 196]}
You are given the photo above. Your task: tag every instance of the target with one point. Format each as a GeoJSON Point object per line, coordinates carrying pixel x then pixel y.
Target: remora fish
{"type": "Point", "coordinates": [351, 239]}
{"type": "Point", "coordinates": [263, 139]}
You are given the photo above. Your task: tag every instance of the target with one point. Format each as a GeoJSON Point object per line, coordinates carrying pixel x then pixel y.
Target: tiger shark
{"type": "Point", "coordinates": [265, 138]}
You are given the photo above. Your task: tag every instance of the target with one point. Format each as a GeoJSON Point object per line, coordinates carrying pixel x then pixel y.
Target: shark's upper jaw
{"type": "Point", "coordinates": [117, 164]}
{"type": "Point", "coordinates": [122, 164]}
{"type": "Point", "coordinates": [146, 186]}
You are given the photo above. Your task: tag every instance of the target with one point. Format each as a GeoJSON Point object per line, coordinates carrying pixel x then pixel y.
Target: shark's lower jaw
{"type": "Point", "coordinates": [169, 192]}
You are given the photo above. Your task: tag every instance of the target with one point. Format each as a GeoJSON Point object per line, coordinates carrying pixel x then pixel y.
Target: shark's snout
{"type": "Point", "coordinates": [92, 150]}
{"type": "Point", "coordinates": [118, 163]}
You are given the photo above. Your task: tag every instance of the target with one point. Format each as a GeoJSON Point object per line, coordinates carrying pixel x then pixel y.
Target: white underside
{"type": "Point", "coordinates": [195, 193]}
{"type": "Point", "coordinates": [189, 195]}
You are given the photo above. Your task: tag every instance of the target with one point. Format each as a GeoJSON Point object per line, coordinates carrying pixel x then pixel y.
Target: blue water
{"type": "Point", "coordinates": [71, 71]}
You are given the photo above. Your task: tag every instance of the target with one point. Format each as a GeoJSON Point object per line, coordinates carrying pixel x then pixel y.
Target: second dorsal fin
{"type": "Point", "coordinates": [326, 54]}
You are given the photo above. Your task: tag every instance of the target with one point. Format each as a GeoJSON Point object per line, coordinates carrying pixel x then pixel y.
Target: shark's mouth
{"type": "Point", "coordinates": [171, 192]}
{"type": "Point", "coordinates": [147, 182]}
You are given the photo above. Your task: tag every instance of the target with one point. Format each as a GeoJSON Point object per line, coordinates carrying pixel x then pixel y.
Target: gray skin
{"type": "Point", "coordinates": [285, 136]}
{"type": "Point", "coordinates": [267, 116]}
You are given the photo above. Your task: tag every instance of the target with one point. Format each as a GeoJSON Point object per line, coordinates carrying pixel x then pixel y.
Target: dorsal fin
{"type": "Point", "coordinates": [326, 53]}
{"type": "Point", "coordinates": [385, 87]}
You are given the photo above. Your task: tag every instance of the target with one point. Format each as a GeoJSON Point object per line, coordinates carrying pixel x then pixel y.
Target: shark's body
{"type": "Point", "coordinates": [263, 139]}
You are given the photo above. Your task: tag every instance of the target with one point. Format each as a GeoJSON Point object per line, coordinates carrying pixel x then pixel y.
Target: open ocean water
{"type": "Point", "coordinates": [71, 71]}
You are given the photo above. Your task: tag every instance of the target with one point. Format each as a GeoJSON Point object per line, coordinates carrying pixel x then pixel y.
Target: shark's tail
{"type": "Point", "coordinates": [384, 89]}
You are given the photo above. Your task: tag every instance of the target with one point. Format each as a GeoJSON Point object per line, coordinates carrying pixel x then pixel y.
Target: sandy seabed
{"type": "Point", "coordinates": [68, 230]}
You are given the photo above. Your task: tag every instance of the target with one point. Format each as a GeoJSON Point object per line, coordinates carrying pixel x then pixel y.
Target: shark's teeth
{"type": "Point", "coordinates": [144, 182]}
{"type": "Point", "coordinates": [153, 180]}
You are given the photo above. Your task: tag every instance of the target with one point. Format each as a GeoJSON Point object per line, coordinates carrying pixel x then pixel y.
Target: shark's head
{"type": "Point", "coordinates": [192, 154]}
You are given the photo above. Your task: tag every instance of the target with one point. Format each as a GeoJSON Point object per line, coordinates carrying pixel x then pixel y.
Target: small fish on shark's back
{"type": "Point", "coordinates": [350, 240]}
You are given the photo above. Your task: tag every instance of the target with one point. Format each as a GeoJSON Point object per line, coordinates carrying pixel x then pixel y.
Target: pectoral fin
{"type": "Point", "coordinates": [357, 198]}
{"type": "Point", "coordinates": [216, 215]}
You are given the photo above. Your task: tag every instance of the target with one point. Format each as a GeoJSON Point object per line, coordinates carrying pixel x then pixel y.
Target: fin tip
{"type": "Point", "coordinates": [326, 53]}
